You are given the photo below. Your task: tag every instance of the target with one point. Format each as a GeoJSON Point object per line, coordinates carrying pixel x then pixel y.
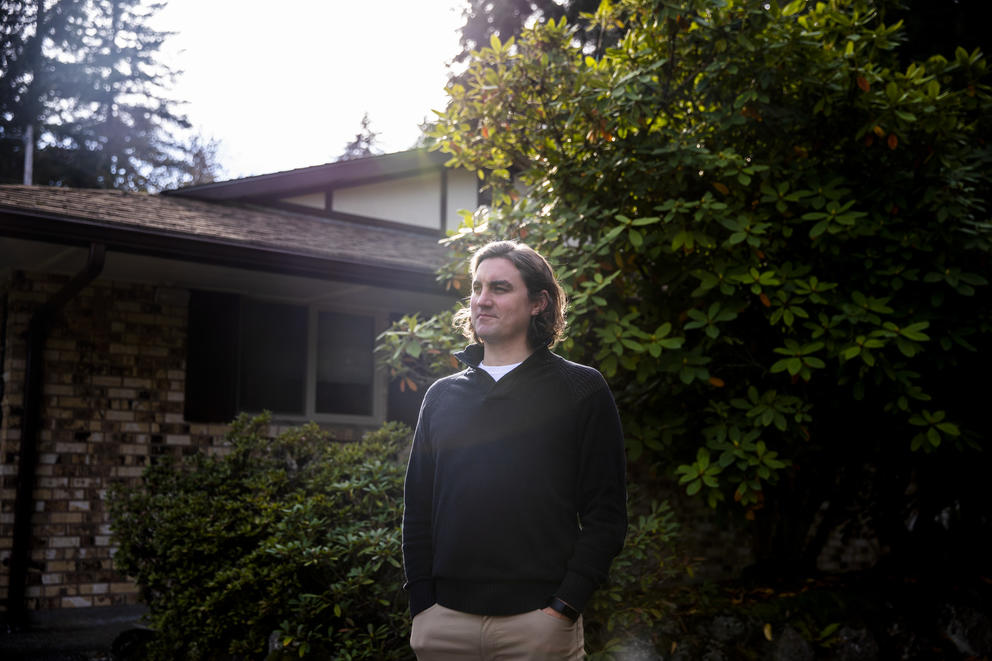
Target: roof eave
{"type": "Point", "coordinates": [74, 231]}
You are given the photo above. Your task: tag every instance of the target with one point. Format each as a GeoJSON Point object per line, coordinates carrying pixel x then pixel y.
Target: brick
{"type": "Point", "coordinates": [123, 588]}
{"type": "Point", "coordinates": [66, 517]}
{"type": "Point", "coordinates": [63, 542]}
{"type": "Point", "coordinates": [53, 482]}
{"type": "Point", "coordinates": [94, 588]}
{"type": "Point", "coordinates": [135, 427]}
{"type": "Point", "coordinates": [76, 602]}
{"type": "Point", "coordinates": [122, 393]}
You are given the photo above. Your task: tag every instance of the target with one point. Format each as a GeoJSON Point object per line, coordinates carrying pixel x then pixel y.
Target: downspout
{"type": "Point", "coordinates": [27, 464]}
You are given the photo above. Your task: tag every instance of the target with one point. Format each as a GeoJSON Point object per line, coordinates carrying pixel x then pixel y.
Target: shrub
{"type": "Point", "coordinates": [775, 239]}
{"type": "Point", "coordinates": [638, 595]}
{"type": "Point", "coordinates": [293, 540]}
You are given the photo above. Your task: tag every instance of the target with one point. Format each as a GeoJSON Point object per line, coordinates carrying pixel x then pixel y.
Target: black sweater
{"type": "Point", "coordinates": [515, 490]}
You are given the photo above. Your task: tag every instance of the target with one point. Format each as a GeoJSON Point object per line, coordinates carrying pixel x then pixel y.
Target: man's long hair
{"type": "Point", "coordinates": [547, 327]}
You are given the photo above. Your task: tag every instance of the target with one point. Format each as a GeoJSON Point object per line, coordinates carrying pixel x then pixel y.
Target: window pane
{"type": "Point", "coordinates": [273, 357]}
{"type": "Point", "coordinates": [212, 357]}
{"type": "Point", "coordinates": [344, 363]}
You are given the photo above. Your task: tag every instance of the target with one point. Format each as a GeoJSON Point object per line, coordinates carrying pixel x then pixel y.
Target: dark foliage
{"type": "Point", "coordinates": [285, 547]}
{"type": "Point", "coordinates": [775, 237]}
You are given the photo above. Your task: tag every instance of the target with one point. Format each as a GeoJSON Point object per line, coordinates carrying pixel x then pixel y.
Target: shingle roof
{"type": "Point", "coordinates": [233, 226]}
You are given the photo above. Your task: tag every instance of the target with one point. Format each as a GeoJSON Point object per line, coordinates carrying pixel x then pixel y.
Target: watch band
{"type": "Point", "coordinates": [560, 606]}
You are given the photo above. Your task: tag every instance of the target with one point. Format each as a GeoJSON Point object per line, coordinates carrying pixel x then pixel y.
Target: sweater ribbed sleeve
{"type": "Point", "coordinates": [417, 511]}
{"type": "Point", "coordinates": [602, 498]}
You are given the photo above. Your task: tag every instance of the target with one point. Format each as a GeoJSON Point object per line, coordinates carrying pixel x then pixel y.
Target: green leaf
{"type": "Point", "coordinates": [781, 365]}
{"type": "Point", "coordinates": [949, 428]}
{"type": "Point", "coordinates": [636, 238]}
{"type": "Point", "coordinates": [913, 331]}
{"type": "Point", "coordinates": [793, 7]}
{"type": "Point", "coordinates": [703, 459]}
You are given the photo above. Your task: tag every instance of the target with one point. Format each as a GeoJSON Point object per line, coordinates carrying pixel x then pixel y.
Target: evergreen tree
{"type": "Point", "coordinates": [39, 76]}
{"type": "Point", "coordinates": [85, 73]}
{"type": "Point", "coordinates": [203, 161]}
{"type": "Point", "coordinates": [133, 119]}
{"type": "Point", "coordinates": [364, 143]}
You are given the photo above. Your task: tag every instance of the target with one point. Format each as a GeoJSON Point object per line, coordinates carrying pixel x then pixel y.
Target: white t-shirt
{"type": "Point", "coordinates": [498, 371]}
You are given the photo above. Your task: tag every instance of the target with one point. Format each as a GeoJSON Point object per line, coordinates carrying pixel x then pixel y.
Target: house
{"type": "Point", "coordinates": [134, 325]}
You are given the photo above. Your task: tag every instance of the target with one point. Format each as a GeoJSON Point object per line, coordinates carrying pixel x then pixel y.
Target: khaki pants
{"type": "Point", "coordinates": [442, 634]}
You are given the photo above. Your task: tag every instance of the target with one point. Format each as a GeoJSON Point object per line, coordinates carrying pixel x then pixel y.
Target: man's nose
{"type": "Point", "coordinates": [483, 298]}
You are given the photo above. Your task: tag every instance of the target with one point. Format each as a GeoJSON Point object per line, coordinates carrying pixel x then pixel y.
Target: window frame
{"type": "Point", "coordinates": [379, 381]}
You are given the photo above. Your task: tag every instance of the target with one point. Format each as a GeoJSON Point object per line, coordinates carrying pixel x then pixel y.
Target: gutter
{"type": "Point", "coordinates": [159, 243]}
{"type": "Point", "coordinates": [37, 333]}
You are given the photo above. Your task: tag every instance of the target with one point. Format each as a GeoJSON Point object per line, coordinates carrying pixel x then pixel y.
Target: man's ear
{"type": "Point", "coordinates": [539, 303]}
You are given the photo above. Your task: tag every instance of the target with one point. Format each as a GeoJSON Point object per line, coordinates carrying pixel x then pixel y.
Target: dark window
{"type": "Point", "coordinates": [273, 358]}
{"type": "Point", "coordinates": [248, 355]}
{"type": "Point", "coordinates": [344, 363]}
{"type": "Point", "coordinates": [212, 357]}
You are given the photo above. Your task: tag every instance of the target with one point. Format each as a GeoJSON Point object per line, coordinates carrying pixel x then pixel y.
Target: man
{"type": "Point", "coordinates": [515, 499]}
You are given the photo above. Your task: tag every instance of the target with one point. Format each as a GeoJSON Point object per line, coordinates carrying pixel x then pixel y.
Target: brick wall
{"type": "Point", "coordinates": [113, 397]}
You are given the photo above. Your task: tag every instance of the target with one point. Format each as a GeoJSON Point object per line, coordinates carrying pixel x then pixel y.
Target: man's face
{"type": "Point", "coordinates": [501, 307]}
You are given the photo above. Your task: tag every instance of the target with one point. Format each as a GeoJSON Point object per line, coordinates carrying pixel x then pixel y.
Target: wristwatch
{"type": "Point", "coordinates": [560, 606]}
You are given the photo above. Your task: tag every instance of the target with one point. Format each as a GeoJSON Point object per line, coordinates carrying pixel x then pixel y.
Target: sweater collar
{"type": "Point", "coordinates": [472, 355]}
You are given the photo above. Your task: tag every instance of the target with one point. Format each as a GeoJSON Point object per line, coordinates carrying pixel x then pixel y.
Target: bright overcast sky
{"type": "Point", "coordinates": [284, 84]}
